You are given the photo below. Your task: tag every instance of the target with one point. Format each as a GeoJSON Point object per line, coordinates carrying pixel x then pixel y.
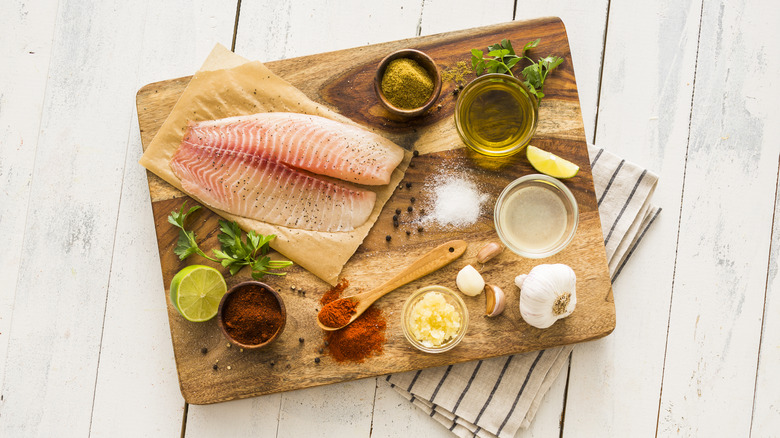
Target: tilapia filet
{"type": "Point", "coordinates": [264, 167]}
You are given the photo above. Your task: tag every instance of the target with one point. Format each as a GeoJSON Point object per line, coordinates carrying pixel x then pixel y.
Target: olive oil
{"type": "Point", "coordinates": [495, 115]}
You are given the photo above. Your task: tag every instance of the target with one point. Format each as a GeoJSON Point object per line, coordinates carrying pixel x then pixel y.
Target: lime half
{"type": "Point", "coordinates": [550, 164]}
{"type": "Point", "coordinates": [196, 291]}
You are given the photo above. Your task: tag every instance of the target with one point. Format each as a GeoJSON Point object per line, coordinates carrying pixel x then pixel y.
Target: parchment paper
{"type": "Point", "coordinates": [228, 85]}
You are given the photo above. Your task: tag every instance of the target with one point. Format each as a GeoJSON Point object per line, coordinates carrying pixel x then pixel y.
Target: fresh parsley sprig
{"type": "Point", "coordinates": [501, 58]}
{"type": "Point", "coordinates": [252, 251]}
{"type": "Point", "coordinates": [187, 245]}
{"type": "Point", "coordinates": [235, 253]}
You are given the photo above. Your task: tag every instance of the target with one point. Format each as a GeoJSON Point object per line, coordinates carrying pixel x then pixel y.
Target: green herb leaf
{"type": "Point", "coordinates": [236, 253]}
{"type": "Point", "coordinates": [501, 58]}
{"type": "Point", "coordinates": [187, 244]}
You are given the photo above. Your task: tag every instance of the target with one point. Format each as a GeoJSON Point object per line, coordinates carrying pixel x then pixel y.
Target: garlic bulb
{"type": "Point", "coordinates": [547, 294]}
{"type": "Point", "coordinates": [469, 281]}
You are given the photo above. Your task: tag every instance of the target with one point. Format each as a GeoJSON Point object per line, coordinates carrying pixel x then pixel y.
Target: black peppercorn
{"type": "Point", "coordinates": [388, 237]}
{"type": "Point", "coordinates": [416, 153]}
{"type": "Point", "coordinates": [316, 360]}
{"type": "Point", "coordinates": [409, 209]}
{"type": "Point", "coordinates": [412, 200]}
{"type": "Point", "coordinates": [300, 340]}
{"type": "Point", "coordinates": [420, 229]}
{"type": "Point", "coordinates": [215, 367]}
{"type": "Point", "coordinates": [395, 217]}
{"type": "Point", "coordinates": [397, 211]}
{"type": "Point", "coordinates": [204, 350]}
{"type": "Point", "coordinates": [408, 232]}
{"type": "Point", "coordinates": [408, 185]}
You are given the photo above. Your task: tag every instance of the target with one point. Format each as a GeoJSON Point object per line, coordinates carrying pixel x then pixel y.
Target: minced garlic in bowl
{"type": "Point", "coordinates": [435, 319]}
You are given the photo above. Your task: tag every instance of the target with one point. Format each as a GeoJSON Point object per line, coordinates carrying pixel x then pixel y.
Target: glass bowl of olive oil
{"type": "Point", "coordinates": [496, 115]}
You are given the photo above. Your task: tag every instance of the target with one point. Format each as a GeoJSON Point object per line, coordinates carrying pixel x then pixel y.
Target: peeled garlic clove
{"type": "Point", "coordinates": [489, 251]}
{"type": "Point", "coordinates": [495, 300]}
{"type": "Point", "coordinates": [469, 281]}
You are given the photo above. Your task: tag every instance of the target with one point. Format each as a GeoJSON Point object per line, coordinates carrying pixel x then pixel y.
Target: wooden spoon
{"type": "Point", "coordinates": [430, 262]}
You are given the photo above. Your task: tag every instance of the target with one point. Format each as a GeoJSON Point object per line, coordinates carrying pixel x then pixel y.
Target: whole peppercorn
{"type": "Point", "coordinates": [397, 211]}
{"type": "Point", "coordinates": [408, 185]}
{"type": "Point", "coordinates": [300, 340]}
{"type": "Point", "coordinates": [416, 153]}
{"type": "Point", "coordinates": [215, 367]}
{"type": "Point", "coordinates": [388, 237]}
{"type": "Point", "coordinates": [412, 200]}
{"type": "Point", "coordinates": [204, 350]}
{"type": "Point", "coordinates": [316, 360]}
{"type": "Point", "coordinates": [420, 229]}
{"type": "Point", "coordinates": [409, 209]}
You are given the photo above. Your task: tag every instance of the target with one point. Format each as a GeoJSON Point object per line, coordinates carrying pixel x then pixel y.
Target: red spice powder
{"type": "Point", "coordinates": [363, 338]}
{"type": "Point", "coordinates": [337, 313]}
{"type": "Point", "coordinates": [252, 315]}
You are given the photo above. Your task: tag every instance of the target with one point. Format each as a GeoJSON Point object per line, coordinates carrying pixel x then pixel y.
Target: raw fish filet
{"type": "Point", "coordinates": [317, 144]}
{"type": "Point", "coordinates": [264, 167]}
{"type": "Point", "coordinates": [260, 188]}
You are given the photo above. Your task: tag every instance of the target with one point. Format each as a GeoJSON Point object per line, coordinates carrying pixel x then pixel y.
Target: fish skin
{"type": "Point", "coordinates": [261, 188]}
{"type": "Point", "coordinates": [313, 143]}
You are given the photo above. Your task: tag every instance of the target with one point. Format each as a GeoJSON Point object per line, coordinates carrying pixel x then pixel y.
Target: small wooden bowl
{"type": "Point", "coordinates": [235, 291]}
{"type": "Point", "coordinates": [425, 62]}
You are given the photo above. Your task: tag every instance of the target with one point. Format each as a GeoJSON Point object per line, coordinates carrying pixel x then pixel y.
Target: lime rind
{"type": "Point", "coordinates": [551, 164]}
{"type": "Point", "coordinates": [196, 292]}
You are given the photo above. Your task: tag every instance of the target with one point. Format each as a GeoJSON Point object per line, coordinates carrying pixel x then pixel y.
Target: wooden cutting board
{"type": "Point", "coordinates": [342, 81]}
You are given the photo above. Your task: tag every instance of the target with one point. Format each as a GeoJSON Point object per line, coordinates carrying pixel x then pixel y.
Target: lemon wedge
{"type": "Point", "coordinates": [551, 164]}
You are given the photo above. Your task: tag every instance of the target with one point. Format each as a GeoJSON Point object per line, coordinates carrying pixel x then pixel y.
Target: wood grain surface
{"type": "Point", "coordinates": [342, 80]}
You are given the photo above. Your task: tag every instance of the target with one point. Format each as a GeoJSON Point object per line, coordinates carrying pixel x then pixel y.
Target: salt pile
{"type": "Point", "coordinates": [457, 202]}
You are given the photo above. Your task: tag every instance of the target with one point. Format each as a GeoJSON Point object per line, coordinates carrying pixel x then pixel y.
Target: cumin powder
{"type": "Point", "coordinates": [406, 84]}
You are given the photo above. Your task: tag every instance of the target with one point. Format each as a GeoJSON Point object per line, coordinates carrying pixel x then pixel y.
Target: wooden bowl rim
{"type": "Point", "coordinates": [237, 287]}
{"type": "Point", "coordinates": [426, 62]}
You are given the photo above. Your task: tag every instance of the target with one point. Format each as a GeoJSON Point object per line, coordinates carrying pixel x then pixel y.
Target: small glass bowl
{"type": "Point", "coordinates": [451, 298]}
{"type": "Point", "coordinates": [561, 191]}
{"type": "Point", "coordinates": [506, 112]}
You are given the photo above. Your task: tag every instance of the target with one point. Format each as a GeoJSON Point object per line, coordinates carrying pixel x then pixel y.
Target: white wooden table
{"type": "Point", "coordinates": [689, 89]}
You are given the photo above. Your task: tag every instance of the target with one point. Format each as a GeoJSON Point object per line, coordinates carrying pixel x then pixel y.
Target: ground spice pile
{"type": "Point", "coordinates": [359, 340]}
{"type": "Point", "coordinates": [337, 313]}
{"type": "Point", "coordinates": [406, 84]}
{"type": "Point", "coordinates": [252, 315]}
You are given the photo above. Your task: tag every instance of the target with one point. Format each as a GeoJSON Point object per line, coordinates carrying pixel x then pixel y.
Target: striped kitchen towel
{"type": "Point", "coordinates": [499, 396]}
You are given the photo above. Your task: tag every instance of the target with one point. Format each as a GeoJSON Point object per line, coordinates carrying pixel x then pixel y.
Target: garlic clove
{"type": "Point", "coordinates": [489, 251]}
{"type": "Point", "coordinates": [469, 281]}
{"type": "Point", "coordinates": [495, 300]}
{"type": "Point", "coordinates": [520, 279]}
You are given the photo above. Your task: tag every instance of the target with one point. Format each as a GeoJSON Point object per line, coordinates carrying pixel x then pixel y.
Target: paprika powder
{"type": "Point", "coordinates": [337, 313]}
{"type": "Point", "coordinates": [363, 338]}
{"type": "Point", "coordinates": [252, 315]}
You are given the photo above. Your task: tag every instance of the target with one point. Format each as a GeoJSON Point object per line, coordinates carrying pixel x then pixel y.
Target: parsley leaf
{"type": "Point", "coordinates": [501, 58]}
{"type": "Point", "coordinates": [186, 245]}
{"type": "Point", "coordinates": [235, 253]}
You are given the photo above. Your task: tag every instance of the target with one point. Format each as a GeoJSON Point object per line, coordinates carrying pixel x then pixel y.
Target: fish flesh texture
{"type": "Point", "coordinates": [262, 166]}
{"type": "Point", "coordinates": [260, 188]}
{"type": "Point", "coordinates": [317, 144]}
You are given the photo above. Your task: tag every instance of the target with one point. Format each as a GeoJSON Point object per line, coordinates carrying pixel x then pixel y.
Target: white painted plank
{"type": "Point", "coordinates": [268, 31]}
{"type": "Point", "coordinates": [69, 233]}
{"type": "Point", "coordinates": [395, 416]}
{"type": "Point", "coordinates": [440, 16]}
{"type": "Point", "coordinates": [645, 103]}
{"type": "Point", "coordinates": [137, 372]}
{"type": "Point", "coordinates": [25, 50]}
{"type": "Point", "coordinates": [766, 405]}
{"type": "Point", "coordinates": [730, 182]}
{"type": "Point", "coordinates": [258, 416]}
